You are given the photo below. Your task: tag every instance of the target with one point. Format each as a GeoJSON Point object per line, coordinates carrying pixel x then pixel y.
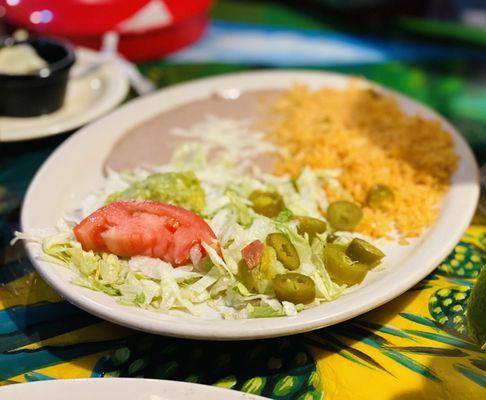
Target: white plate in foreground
{"type": "Point", "coordinates": [75, 169]}
{"type": "Point", "coordinates": [88, 96]}
{"type": "Point", "coordinates": [119, 389]}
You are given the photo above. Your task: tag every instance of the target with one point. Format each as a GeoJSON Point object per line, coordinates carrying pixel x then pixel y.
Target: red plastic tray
{"type": "Point", "coordinates": [148, 28]}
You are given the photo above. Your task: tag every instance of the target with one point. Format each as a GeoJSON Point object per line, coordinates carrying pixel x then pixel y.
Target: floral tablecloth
{"type": "Point", "coordinates": [415, 347]}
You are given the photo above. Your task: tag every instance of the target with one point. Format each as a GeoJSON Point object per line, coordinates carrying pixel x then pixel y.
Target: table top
{"type": "Point", "coordinates": [415, 347]}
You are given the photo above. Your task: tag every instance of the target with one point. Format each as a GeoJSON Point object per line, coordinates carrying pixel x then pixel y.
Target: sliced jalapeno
{"type": "Point", "coordinates": [285, 250]}
{"type": "Point", "coordinates": [311, 226]}
{"type": "Point", "coordinates": [344, 215]}
{"type": "Point", "coordinates": [342, 269]}
{"type": "Point", "coordinates": [378, 195]}
{"type": "Point", "coordinates": [246, 276]}
{"type": "Point", "coordinates": [295, 288]}
{"type": "Point", "coordinates": [267, 263]}
{"type": "Point", "coordinates": [362, 251]}
{"type": "Point", "coordinates": [268, 204]}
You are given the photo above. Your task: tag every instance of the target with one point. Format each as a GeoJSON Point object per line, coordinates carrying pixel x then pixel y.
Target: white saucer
{"type": "Point", "coordinates": [88, 97]}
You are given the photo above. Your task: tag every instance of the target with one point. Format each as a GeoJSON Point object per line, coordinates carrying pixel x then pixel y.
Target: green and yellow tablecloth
{"type": "Point", "coordinates": [415, 347]}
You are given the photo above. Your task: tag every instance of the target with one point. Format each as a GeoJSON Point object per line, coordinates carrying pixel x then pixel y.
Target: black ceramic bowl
{"type": "Point", "coordinates": [42, 92]}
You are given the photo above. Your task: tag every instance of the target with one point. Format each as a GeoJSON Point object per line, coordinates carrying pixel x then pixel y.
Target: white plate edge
{"type": "Point", "coordinates": [236, 334]}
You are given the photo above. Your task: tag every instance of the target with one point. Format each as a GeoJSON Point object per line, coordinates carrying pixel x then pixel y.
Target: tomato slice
{"type": "Point", "coordinates": [252, 253]}
{"type": "Point", "coordinates": [145, 228]}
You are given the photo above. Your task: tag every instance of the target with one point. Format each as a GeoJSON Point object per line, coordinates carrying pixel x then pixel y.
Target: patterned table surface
{"type": "Point", "coordinates": [415, 347]}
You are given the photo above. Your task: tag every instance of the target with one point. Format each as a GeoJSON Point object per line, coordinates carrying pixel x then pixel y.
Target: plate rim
{"type": "Point", "coordinates": [119, 84]}
{"type": "Point", "coordinates": [177, 329]}
{"type": "Point", "coordinates": [204, 389]}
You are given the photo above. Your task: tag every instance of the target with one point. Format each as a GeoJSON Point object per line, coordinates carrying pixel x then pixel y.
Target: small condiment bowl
{"type": "Point", "coordinates": [40, 92]}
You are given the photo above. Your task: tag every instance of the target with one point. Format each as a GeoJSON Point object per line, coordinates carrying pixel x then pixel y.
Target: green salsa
{"type": "Point", "coordinates": [180, 188]}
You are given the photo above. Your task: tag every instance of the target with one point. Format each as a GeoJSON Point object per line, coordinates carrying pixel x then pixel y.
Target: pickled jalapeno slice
{"type": "Point", "coordinates": [342, 269]}
{"type": "Point", "coordinates": [268, 204]}
{"type": "Point", "coordinates": [246, 276]}
{"type": "Point", "coordinates": [364, 252]}
{"type": "Point", "coordinates": [344, 215]}
{"type": "Point", "coordinates": [267, 263]}
{"type": "Point", "coordinates": [378, 195]}
{"type": "Point", "coordinates": [295, 288]}
{"type": "Point", "coordinates": [311, 226]}
{"type": "Point", "coordinates": [284, 249]}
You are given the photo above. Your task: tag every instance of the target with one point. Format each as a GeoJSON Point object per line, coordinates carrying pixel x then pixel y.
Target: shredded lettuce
{"type": "Point", "coordinates": [311, 192]}
{"type": "Point", "coordinates": [214, 288]}
{"type": "Point", "coordinates": [264, 312]}
{"type": "Point", "coordinates": [243, 212]}
{"type": "Point", "coordinates": [138, 290]}
{"type": "Point", "coordinates": [284, 216]}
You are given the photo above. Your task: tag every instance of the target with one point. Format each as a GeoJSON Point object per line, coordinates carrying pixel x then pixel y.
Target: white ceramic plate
{"type": "Point", "coordinates": [75, 169]}
{"type": "Point", "coordinates": [87, 98]}
{"type": "Point", "coordinates": [119, 389]}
